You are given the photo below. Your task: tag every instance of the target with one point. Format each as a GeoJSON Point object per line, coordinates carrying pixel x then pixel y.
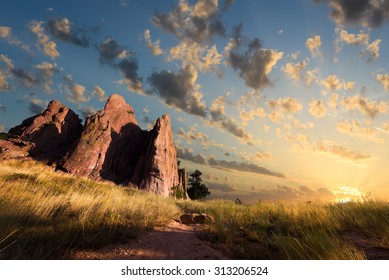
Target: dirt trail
{"type": "Point", "coordinates": [172, 242]}
{"type": "Point", "coordinates": [371, 251]}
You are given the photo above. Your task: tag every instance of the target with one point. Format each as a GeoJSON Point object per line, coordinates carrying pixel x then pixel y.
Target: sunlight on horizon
{"type": "Point", "coordinates": [347, 193]}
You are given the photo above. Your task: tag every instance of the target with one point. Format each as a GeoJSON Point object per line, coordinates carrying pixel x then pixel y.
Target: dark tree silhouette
{"type": "Point", "coordinates": [197, 189]}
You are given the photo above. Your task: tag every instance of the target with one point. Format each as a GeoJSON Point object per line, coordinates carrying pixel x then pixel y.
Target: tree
{"type": "Point", "coordinates": [197, 189]}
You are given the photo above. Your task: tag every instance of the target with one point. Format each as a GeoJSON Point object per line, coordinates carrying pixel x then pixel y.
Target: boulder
{"type": "Point", "coordinates": [195, 218]}
{"type": "Point", "coordinates": [9, 150]}
{"type": "Point", "coordinates": [50, 134]}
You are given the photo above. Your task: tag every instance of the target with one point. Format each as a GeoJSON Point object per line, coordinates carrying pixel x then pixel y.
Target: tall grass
{"type": "Point", "coordinates": [46, 214]}
{"type": "Point", "coordinates": [294, 230]}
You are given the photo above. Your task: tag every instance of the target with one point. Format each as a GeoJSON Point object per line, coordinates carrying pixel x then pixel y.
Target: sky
{"type": "Point", "coordinates": [270, 100]}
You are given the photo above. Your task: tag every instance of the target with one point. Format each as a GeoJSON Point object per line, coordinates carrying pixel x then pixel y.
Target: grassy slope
{"type": "Point", "coordinates": [46, 214]}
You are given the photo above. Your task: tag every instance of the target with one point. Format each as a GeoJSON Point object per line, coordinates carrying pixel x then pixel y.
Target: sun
{"type": "Point", "coordinates": [347, 193]}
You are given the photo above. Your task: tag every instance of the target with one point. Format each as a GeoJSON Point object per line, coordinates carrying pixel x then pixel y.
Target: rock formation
{"type": "Point", "coordinates": [113, 147]}
{"type": "Point", "coordinates": [50, 135]}
{"type": "Point", "coordinates": [110, 146]}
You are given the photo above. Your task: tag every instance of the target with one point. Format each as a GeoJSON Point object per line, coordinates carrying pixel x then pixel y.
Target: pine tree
{"type": "Point", "coordinates": [197, 189]}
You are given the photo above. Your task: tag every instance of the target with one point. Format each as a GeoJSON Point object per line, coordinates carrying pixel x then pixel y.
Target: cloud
{"type": "Point", "coordinates": [317, 108]}
{"type": "Point", "coordinates": [222, 187]}
{"type": "Point", "coordinates": [46, 71]}
{"type": "Point", "coordinates": [333, 83]}
{"type": "Point", "coordinates": [193, 135]}
{"type": "Point", "coordinates": [313, 44]}
{"type": "Point", "coordinates": [129, 69]}
{"type": "Point", "coordinates": [187, 154]}
{"type": "Point", "coordinates": [6, 34]}
{"type": "Point", "coordinates": [367, 13]}
{"type": "Point", "coordinates": [242, 167]}
{"type": "Point", "coordinates": [332, 103]}
{"type": "Point", "coordinates": [199, 22]}
{"type": "Point", "coordinates": [339, 151]}
{"type": "Point", "coordinates": [371, 50]}
{"type": "Point", "coordinates": [99, 93]}
{"type": "Point", "coordinates": [4, 74]}
{"type": "Point", "coordinates": [25, 79]}
{"type": "Point", "coordinates": [87, 111]}
{"type": "Point", "coordinates": [179, 90]}
{"type": "Point", "coordinates": [383, 79]}
{"type": "Point", "coordinates": [49, 47]}
{"type": "Point", "coordinates": [365, 106]}
{"type": "Point", "coordinates": [109, 51]}
{"type": "Point", "coordinates": [194, 26]}
{"type": "Point", "coordinates": [281, 106]}
{"type": "Point", "coordinates": [154, 47]}
{"type": "Point", "coordinates": [3, 108]}
{"type": "Point", "coordinates": [220, 119]}
{"type": "Point", "coordinates": [294, 71]}
{"type": "Point", "coordinates": [116, 56]}
{"type": "Point", "coordinates": [354, 128]}
{"type": "Point", "coordinates": [359, 39]}
{"type": "Point", "coordinates": [75, 91]}
{"type": "Point", "coordinates": [255, 64]}
{"type": "Point", "coordinates": [203, 58]}
{"type": "Point", "coordinates": [35, 105]}
{"type": "Point", "coordinates": [261, 156]}
{"type": "Point", "coordinates": [62, 29]}
{"type": "Point", "coordinates": [247, 116]}
{"type": "Point", "coordinates": [386, 126]}
{"type": "Point", "coordinates": [303, 193]}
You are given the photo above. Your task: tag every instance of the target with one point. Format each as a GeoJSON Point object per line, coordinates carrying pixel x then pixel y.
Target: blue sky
{"type": "Point", "coordinates": [271, 100]}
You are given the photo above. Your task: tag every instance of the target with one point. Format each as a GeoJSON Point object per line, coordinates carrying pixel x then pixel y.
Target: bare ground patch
{"type": "Point", "coordinates": [172, 242]}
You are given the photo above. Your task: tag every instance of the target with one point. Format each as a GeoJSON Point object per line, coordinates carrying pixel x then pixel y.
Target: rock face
{"type": "Point", "coordinates": [110, 146]}
{"type": "Point", "coordinates": [113, 147]}
{"type": "Point", "coordinates": [50, 135]}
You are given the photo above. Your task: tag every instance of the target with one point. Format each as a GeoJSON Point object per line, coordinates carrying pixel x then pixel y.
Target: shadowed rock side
{"type": "Point", "coordinates": [108, 144]}
{"type": "Point", "coordinates": [157, 169]}
{"type": "Point", "coordinates": [50, 135]}
{"type": "Point", "coordinates": [113, 147]}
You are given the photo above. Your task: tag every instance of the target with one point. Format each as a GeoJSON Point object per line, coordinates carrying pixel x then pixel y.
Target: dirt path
{"type": "Point", "coordinates": [172, 242]}
{"type": "Point", "coordinates": [371, 251]}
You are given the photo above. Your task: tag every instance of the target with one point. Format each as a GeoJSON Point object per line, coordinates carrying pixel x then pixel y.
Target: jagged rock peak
{"type": "Point", "coordinates": [117, 102]}
{"type": "Point", "coordinates": [50, 133]}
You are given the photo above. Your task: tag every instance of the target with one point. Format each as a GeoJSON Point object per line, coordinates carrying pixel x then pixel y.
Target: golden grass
{"type": "Point", "coordinates": [47, 214]}
{"type": "Point", "coordinates": [294, 230]}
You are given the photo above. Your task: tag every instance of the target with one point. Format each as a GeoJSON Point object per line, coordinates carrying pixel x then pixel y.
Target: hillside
{"type": "Point", "coordinates": [47, 214]}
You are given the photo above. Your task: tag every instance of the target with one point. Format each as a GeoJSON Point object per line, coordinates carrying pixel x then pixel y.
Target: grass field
{"type": "Point", "coordinates": [46, 215]}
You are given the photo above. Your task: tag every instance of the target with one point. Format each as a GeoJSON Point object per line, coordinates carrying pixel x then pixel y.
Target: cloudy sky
{"type": "Point", "coordinates": [271, 100]}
